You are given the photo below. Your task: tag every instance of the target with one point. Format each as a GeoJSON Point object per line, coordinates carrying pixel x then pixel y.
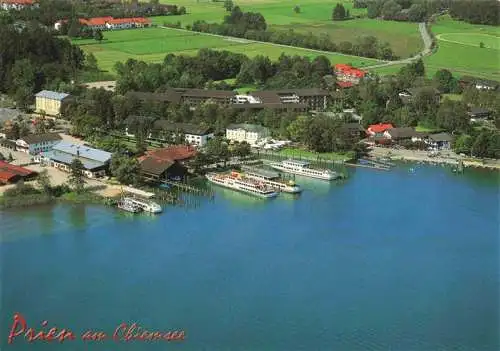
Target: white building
{"type": "Point", "coordinates": [251, 133]}
{"type": "Point", "coordinates": [246, 99]}
{"type": "Point", "coordinates": [17, 4]}
{"type": "Point", "coordinates": [164, 130]}
{"type": "Point", "coordinates": [34, 144]}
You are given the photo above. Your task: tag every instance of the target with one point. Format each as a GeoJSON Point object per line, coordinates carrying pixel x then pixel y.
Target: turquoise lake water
{"type": "Point", "coordinates": [383, 261]}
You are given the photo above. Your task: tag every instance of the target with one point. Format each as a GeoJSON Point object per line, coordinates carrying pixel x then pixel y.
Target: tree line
{"type": "Point", "coordinates": [32, 59]}
{"type": "Point", "coordinates": [252, 26]}
{"type": "Point", "coordinates": [50, 11]}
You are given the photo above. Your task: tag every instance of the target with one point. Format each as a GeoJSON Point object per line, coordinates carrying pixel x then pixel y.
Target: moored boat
{"type": "Point", "coordinates": [303, 168]}
{"type": "Point", "coordinates": [271, 179]}
{"type": "Point", "coordinates": [235, 181]}
{"type": "Point", "coordinates": [145, 205]}
{"type": "Point", "coordinates": [127, 205]}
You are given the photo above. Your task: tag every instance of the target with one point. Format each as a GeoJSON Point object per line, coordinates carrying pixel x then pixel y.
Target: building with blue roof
{"type": "Point", "coordinates": [50, 102]}
{"type": "Point", "coordinates": [95, 162]}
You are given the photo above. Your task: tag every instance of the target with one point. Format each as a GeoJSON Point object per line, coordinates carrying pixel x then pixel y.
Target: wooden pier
{"type": "Point", "coordinates": [377, 167]}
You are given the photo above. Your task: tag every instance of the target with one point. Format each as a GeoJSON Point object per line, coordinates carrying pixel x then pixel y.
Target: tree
{"type": "Point", "coordinates": [40, 126]}
{"type": "Point", "coordinates": [43, 181]}
{"type": "Point", "coordinates": [76, 177]}
{"type": "Point", "coordinates": [417, 13]}
{"type": "Point", "coordinates": [2, 157]}
{"type": "Point", "coordinates": [391, 9]}
{"type": "Point", "coordinates": [91, 62]}
{"type": "Point", "coordinates": [338, 13]}
{"type": "Point", "coordinates": [481, 45]}
{"type": "Point", "coordinates": [125, 169]}
{"type": "Point", "coordinates": [242, 149]}
{"type": "Point", "coordinates": [74, 28]}
{"type": "Point", "coordinates": [229, 5]}
{"type": "Point", "coordinates": [444, 81]}
{"type": "Point", "coordinates": [10, 158]}
{"type": "Point", "coordinates": [217, 148]}
{"type": "Point", "coordinates": [296, 9]}
{"type": "Point", "coordinates": [98, 36]}
{"type": "Point", "coordinates": [463, 144]}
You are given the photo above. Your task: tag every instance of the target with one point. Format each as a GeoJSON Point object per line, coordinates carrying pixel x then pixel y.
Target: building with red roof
{"type": "Point", "coordinates": [109, 23]}
{"type": "Point", "coordinates": [377, 130]}
{"type": "Point", "coordinates": [17, 4]}
{"type": "Point", "coordinates": [347, 76]}
{"type": "Point", "coordinates": [10, 173]}
{"type": "Point", "coordinates": [166, 163]}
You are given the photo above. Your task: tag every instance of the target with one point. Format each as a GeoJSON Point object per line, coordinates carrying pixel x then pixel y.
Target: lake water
{"type": "Point", "coordinates": [383, 261]}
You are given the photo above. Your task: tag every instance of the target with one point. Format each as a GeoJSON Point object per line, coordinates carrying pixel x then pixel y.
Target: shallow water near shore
{"type": "Point", "coordinates": [384, 260]}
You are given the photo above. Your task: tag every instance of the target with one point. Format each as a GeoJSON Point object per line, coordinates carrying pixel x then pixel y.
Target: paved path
{"type": "Point", "coordinates": [421, 27]}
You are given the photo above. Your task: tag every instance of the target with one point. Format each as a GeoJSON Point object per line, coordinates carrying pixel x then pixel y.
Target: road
{"type": "Point", "coordinates": [426, 38]}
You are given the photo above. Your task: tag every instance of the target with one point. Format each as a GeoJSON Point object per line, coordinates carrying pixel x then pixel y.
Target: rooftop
{"type": "Point", "coordinates": [153, 165]}
{"type": "Point", "coordinates": [405, 132]}
{"type": "Point", "coordinates": [82, 151]}
{"type": "Point", "coordinates": [270, 105]}
{"type": "Point", "coordinates": [380, 128]}
{"type": "Point", "coordinates": [186, 128]}
{"type": "Point", "coordinates": [172, 153]}
{"type": "Point", "coordinates": [67, 159]}
{"type": "Point", "coordinates": [7, 167]}
{"type": "Point", "coordinates": [441, 137]}
{"type": "Point", "coordinates": [248, 127]}
{"type": "Point", "coordinates": [38, 138]}
{"type": "Point", "coordinates": [52, 95]}
{"type": "Point", "coordinates": [260, 171]}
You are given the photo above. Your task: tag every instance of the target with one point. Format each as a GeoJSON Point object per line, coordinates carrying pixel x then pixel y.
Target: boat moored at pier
{"type": "Point", "coordinates": [271, 179]}
{"type": "Point", "coordinates": [127, 205]}
{"type": "Point", "coordinates": [303, 168]}
{"type": "Point", "coordinates": [145, 205]}
{"type": "Point", "coordinates": [237, 182]}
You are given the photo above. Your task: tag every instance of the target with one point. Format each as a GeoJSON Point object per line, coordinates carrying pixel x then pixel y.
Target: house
{"type": "Point", "coordinates": [166, 163]}
{"type": "Point", "coordinates": [193, 134]}
{"type": "Point", "coordinates": [50, 102]}
{"type": "Point", "coordinates": [408, 95]}
{"type": "Point", "coordinates": [191, 97]}
{"type": "Point", "coordinates": [347, 75]}
{"type": "Point", "coordinates": [109, 23]}
{"type": "Point", "coordinates": [251, 133]}
{"type": "Point", "coordinates": [17, 4]}
{"type": "Point", "coordinates": [404, 133]}
{"type": "Point", "coordinates": [440, 141]}
{"type": "Point", "coordinates": [35, 143]}
{"type": "Point", "coordinates": [478, 83]}
{"type": "Point", "coordinates": [95, 162]}
{"type": "Point", "coordinates": [315, 99]}
{"type": "Point", "coordinates": [10, 173]}
{"type": "Point", "coordinates": [477, 114]}
{"type": "Point", "coordinates": [377, 130]}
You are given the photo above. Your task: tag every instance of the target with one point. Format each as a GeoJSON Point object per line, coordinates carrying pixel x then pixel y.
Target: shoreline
{"type": "Point", "coordinates": [422, 156]}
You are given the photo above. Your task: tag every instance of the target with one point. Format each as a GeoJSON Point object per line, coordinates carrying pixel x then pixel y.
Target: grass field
{"type": "Point", "coordinates": [315, 16]}
{"type": "Point", "coordinates": [459, 49]}
{"type": "Point", "coordinates": [152, 44]}
{"type": "Point", "coordinates": [296, 152]}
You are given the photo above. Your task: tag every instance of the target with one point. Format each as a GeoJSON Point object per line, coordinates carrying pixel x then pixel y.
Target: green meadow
{"type": "Point", "coordinates": [153, 44]}
{"type": "Point", "coordinates": [459, 49]}
{"type": "Point", "coordinates": [315, 17]}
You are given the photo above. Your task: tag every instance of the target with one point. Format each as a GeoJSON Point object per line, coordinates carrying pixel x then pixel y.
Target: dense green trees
{"type": "Point", "coordinates": [42, 61]}
{"type": "Point", "coordinates": [125, 169]}
{"type": "Point", "coordinates": [476, 12]}
{"type": "Point", "coordinates": [76, 177]}
{"type": "Point", "coordinates": [339, 13]}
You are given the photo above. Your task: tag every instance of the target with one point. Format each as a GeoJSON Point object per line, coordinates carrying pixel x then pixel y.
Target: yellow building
{"type": "Point", "coordinates": [49, 102]}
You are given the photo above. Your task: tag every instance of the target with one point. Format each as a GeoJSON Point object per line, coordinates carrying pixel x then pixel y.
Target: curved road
{"type": "Point", "coordinates": [421, 27]}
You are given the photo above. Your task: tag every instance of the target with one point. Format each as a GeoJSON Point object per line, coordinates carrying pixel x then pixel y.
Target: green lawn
{"type": "Point", "coordinates": [315, 17]}
{"type": "Point", "coordinates": [459, 49]}
{"type": "Point", "coordinates": [153, 44]}
{"type": "Point", "coordinates": [295, 152]}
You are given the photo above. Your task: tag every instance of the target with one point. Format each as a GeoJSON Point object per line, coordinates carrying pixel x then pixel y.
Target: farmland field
{"type": "Point", "coordinates": [314, 16]}
{"type": "Point", "coordinates": [153, 44]}
{"type": "Point", "coordinates": [460, 51]}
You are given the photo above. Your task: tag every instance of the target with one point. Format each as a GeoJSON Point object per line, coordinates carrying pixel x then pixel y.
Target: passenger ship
{"type": "Point", "coordinates": [272, 179]}
{"type": "Point", "coordinates": [302, 168]}
{"type": "Point", "coordinates": [237, 182]}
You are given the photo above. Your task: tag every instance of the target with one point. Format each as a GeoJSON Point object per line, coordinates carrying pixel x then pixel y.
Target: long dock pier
{"type": "Point", "coordinates": [377, 167]}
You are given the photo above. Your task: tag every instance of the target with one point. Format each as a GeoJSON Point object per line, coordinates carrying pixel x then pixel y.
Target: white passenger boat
{"type": "Point", "coordinates": [272, 179]}
{"type": "Point", "coordinates": [127, 205]}
{"type": "Point", "coordinates": [303, 168]}
{"type": "Point", "coordinates": [145, 205]}
{"type": "Point", "coordinates": [237, 182]}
